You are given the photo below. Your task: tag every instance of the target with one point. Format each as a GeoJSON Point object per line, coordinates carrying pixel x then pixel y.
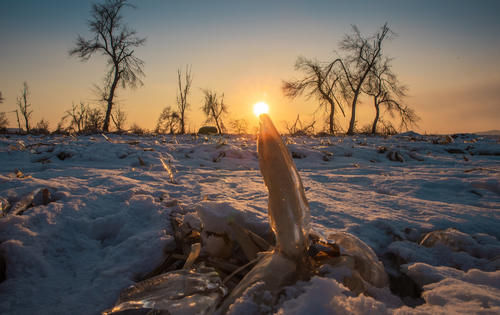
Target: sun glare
{"type": "Point", "coordinates": [260, 108]}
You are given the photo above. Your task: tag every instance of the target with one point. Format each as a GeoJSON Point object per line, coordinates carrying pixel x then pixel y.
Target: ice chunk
{"type": "Point", "coordinates": [425, 274]}
{"type": "Point", "coordinates": [288, 208]}
{"type": "Point", "coordinates": [458, 241]}
{"type": "Point", "coordinates": [177, 292]}
{"type": "Point", "coordinates": [365, 260]}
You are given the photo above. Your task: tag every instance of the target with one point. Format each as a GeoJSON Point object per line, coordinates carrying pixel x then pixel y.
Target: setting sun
{"type": "Point", "coordinates": [260, 108]}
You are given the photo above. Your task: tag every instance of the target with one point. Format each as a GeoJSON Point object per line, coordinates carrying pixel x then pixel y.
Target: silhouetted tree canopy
{"type": "Point", "coordinates": [322, 82]}
{"type": "Point", "coordinates": [363, 54]}
{"type": "Point", "coordinates": [214, 108]}
{"type": "Point", "coordinates": [25, 106]}
{"type": "Point", "coordinates": [385, 89]}
{"type": "Point", "coordinates": [113, 39]}
{"type": "Point", "coordinates": [168, 121]}
{"type": "Point", "coordinates": [182, 94]}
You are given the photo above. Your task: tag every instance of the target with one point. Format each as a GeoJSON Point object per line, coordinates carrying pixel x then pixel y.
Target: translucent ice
{"type": "Point", "coordinates": [365, 260]}
{"type": "Point", "coordinates": [176, 292]}
{"type": "Point", "coordinates": [288, 212]}
{"type": "Point", "coordinates": [288, 209]}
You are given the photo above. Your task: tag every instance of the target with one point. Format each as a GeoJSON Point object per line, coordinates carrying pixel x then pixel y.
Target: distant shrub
{"type": "Point", "coordinates": [4, 122]}
{"type": "Point", "coordinates": [94, 120]}
{"type": "Point", "coordinates": [239, 126]}
{"type": "Point", "coordinates": [42, 128]}
{"type": "Point", "coordinates": [168, 122]}
{"type": "Point", "coordinates": [298, 128]}
{"type": "Point", "coordinates": [387, 128]}
{"type": "Point", "coordinates": [366, 129]}
{"type": "Point", "coordinates": [136, 129]}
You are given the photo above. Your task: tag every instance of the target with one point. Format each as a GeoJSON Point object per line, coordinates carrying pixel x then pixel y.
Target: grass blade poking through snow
{"type": "Point", "coordinates": [169, 171]}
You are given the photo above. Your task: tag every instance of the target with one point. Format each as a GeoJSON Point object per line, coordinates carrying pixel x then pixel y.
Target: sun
{"type": "Point", "coordinates": [260, 108]}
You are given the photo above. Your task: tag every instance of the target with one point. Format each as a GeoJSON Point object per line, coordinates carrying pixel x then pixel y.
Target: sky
{"type": "Point", "coordinates": [446, 52]}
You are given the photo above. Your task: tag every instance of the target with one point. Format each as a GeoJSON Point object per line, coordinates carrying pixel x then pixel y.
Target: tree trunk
{"type": "Point", "coordinates": [377, 115]}
{"type": "Point", "coordinates": [216, 121]}
{"type": "Point", "coordinates": [350, 131]}
{"type": "Point", "coordinates": [331, 118]}
{"type": "Point", "coordinates": [105, 126]}
{"type": "Point", "coordinates": [18, 121]}
{"type": "Point", "coordinates": [182, 123]}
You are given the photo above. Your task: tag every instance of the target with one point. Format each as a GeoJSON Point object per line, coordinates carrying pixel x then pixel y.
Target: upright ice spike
{"type": "Point", "coordinates": [288, 208]}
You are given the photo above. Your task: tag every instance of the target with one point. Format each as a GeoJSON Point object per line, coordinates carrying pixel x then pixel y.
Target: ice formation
{"type": "Point", "coordinates": [288, 213]}
{"type": "Point", "coordinates": [196, 291]}
{"type": "Point", "coordinates": [288, 208]}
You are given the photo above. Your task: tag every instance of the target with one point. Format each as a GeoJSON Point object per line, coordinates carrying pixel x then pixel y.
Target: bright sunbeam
{"type": "Point", "coordinates": [260, 108]}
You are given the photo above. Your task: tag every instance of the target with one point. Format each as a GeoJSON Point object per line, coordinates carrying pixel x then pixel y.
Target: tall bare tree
{"type": "Point", "coordinates": [116, 41]}
{"type": "Point", "coordinates": [322, 82]}
{"type": "Point", "coordinates": [214, 108]}
{"type": "Point", "coordinates": [363, 54]}
{"type": "Point", "coordinates": [182, 94]}
{"type": "Point", "coordinates": [1, 98]}
{"type": "Point", "coordinates": [25, 106]}
{"type": "Point", "coordinates": [385, 89]}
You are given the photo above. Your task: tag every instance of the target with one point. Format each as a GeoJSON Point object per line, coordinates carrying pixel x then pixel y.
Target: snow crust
{"type": "Point", "coordinates": [107, 222]}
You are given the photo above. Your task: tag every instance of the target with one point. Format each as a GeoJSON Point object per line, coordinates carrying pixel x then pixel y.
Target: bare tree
{"type": "Point", "coordinates": [385, 89]}
{"type": "Point", "coordinates": [182, 94]}
{"type": "Point", "coordinates": [119, 118]}
{"type": "Point", "coordinates": [364, 54]}
{"type": "Point", "coordinates": [94, 120]}
{"type": "Point", "coordinates": [168, 122]}
{"type": "Point", "coordinates": [115, 41]}
{"type": "Point", "coordinates": [298, 128]}
{"type": "Point", "coordinates": [1, 98]}
{"type": "Point", "coordinates": [42, 127]}
{"type": "Point", "coordinates": [25, 106]}
{"type": "Point", "coordinates": [214, 108]}
{"type": "Point", "coordinates": [323, 82]}
{"type": "Point", "coordinates": [240, 126]}
{"type": "Point", "coordinates": [77, 114]}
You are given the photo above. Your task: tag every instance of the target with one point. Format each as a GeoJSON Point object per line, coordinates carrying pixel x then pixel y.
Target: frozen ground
{"type": "Point", "coordinates": [105, 220]}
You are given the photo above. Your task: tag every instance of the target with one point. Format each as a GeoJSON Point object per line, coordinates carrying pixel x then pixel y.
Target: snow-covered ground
{"type": "Point", "coordinates": [100, 218]}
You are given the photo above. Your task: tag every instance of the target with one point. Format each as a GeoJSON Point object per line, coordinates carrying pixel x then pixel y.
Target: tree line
{"type": "Point", "coordinates": [363, 70]}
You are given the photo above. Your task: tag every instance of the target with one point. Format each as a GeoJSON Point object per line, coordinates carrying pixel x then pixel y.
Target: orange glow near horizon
{"type": "Point", "coordinates": [260, 108]}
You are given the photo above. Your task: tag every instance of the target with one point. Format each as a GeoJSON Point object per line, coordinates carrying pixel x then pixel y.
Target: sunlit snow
{"type": "Point", "coordinates": [106, 221]}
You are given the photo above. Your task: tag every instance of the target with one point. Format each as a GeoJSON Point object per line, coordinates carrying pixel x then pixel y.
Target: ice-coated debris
{"type": "Point", "coordinates": [395, 156]}
{"type": "Point", "coordinates": [274, 270]}
{"type": "Point", "coordinates": [480, 245]}
{"type": "Point", "coordinates": [288, 208]}
{"type": "Point", "coordinates": [4, 206]}
{"type": "Point", "coordinates": [365, 260]}
{"type": "Point", "coordinates": [196, 291]}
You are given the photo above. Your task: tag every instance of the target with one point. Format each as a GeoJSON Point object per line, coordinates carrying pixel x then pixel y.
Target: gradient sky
{"type": "Point", "coordinates": [447, 52]}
